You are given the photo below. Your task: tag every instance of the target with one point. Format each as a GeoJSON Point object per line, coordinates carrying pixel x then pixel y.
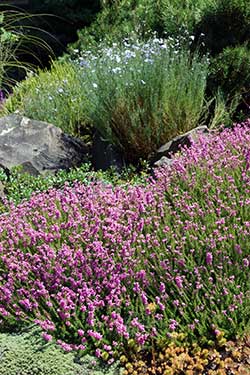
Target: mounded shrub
{"type": "Point", "coordinates": [118, 20]}
{"type": "Point", "coordinates": [226, 23]}
{"type": "Point", "coordinates": [230, 71]}
{"type": "Point", "coordinates": [55, 96]}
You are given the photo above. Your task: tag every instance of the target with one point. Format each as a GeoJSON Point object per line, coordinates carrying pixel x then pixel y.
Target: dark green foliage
{"type": "Point", "coordinates": [226, 23]}
{"type": "Point", "coordinates": [77, 11]}
{"type": "Point", "coordinates": [230, 71]}
{"type": "Point", "coordinates": [120, 19]}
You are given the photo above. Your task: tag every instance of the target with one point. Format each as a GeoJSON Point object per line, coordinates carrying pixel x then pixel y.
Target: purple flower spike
{"type": "Point", "coordinates": [209, 258]}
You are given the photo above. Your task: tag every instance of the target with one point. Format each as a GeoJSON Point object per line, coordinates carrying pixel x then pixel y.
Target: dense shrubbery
{"type": "Point", "coordinates": [230, 70]}
{"type": "Point", "coordinates": [225, 24]}
{"type": "Point", "coordinates": [102, 268]}
{"type": "Point", "coordinates": [121, 18]}
{"type": "Point", "coordinates": [65, 95]}
{"type": "Point", "coordinates": [215, 25]}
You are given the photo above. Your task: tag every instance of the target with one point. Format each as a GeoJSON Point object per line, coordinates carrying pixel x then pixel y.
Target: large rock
{"type": "Point", "coordinates": [38, 146]}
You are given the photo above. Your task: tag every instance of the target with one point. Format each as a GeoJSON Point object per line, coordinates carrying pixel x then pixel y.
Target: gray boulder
{"type": "Point", "coordinates": [164, 155]}
{"type": "Point", "coordinates": [37, 146]}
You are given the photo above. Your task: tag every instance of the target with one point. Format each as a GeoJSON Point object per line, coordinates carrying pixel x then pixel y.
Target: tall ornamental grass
{"type": "Point", "coordinates": [103, 269]}
{"type": "Point", "coordinates": [143, 94]}
{"type": "Point", "coordinates": [18, 40]}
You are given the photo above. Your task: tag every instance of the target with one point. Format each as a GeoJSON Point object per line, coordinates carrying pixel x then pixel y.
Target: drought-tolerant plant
{"type": "Point", "coordinates": [142, 94]}
{"type": "Point", "coordinates": [56, 96]}
{"type": "Point", "coordinates": [104, 269]}
{"type": "Point", "coordinates": [179, 358]}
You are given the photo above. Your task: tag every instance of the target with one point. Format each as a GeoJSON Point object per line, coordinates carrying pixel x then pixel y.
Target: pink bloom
{"type": "Point", "coordinates": [46, 336]}
{"type": "Point", "coordinates": [179, 282]}
{"type": "Point", "coordinates": [209, 258]}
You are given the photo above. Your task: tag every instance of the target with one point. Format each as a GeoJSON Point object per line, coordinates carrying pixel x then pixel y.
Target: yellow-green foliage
{"type": "Point", "coordinates": [192, 359]}
{"type": "Point", "coordinates": [28, 354]}
{"type": "Point", "coordinates": [54, 96]}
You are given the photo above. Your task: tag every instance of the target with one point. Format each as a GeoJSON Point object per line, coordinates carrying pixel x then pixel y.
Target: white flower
{"type": "Point", "coordinates": [95, 85]}
{"type": "Point", "coordinates": [116, 70]}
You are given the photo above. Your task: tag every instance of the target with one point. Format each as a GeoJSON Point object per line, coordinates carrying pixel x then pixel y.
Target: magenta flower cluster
{"type": "Point", "coordinates": [95, 266]}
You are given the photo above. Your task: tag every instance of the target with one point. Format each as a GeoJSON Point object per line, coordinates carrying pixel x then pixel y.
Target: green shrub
{"type": "Point", "coordinates": [184, 15]}
{"type": "Point", "coordinates": [121, 18]}
{"type": "Point", "coordinates": [230, 71]}
{"type": "Point", "coordinates": [117, 20]}
{"type": "Point", "coordinates": [54, 96]}
{"type": "Point", "coordinates": [28, 354]}
{"type": "Point", "coordinates": [143, 94]}
{"type": "Point", "coordinates": [225, 23]}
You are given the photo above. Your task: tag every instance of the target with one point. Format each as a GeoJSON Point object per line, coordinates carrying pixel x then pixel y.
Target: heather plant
{"type": "Point", "coordinates": [107, 270]}
{"type": "Point", "coordinates": [143, 94]}
{"type": "Point", "coordinates": [56, 96]}
{"type": "Point", "coordinates": [19, 186]}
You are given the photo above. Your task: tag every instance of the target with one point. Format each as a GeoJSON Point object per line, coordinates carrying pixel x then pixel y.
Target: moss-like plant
{"type": "Point", "coordinates": [28, 354]}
